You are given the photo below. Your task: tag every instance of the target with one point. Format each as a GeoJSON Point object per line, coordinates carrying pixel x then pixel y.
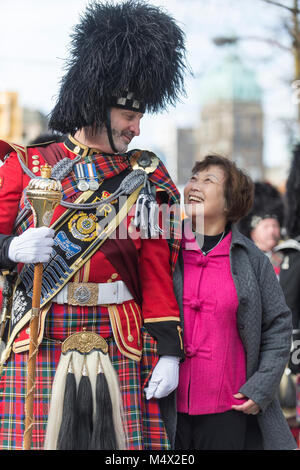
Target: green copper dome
{"type": "Point", "coordinates": [230, 81]}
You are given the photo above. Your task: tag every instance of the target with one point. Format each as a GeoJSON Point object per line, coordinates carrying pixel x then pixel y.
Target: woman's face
{"type": "Point", "coordinates": [204, 195]}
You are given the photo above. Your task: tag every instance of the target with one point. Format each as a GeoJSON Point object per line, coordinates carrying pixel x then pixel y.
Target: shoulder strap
{"type": "Point", "coordinates": [52, 153]}
{"type": "Point", "coordinates": [8, 147]}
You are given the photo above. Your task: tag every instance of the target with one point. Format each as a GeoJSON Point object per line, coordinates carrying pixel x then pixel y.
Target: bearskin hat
{"type": "Point", "coordinates": [129, 54]}
{"type": "Point", "coordinates": [268, 203]}
{"type": "Point", "coordinates": [292, 195]}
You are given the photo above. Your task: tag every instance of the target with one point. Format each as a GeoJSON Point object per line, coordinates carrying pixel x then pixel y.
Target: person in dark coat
{"type": "Point", "coordinates": [265, 225]}
{"type": "Point", "coordinates": [242, 411]}
{"type": "Point", "coordinates": [292, 223]}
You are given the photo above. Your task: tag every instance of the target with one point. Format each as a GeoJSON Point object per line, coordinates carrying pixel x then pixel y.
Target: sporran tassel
{"type": "Point", "coordinates": [84, 408]}
{"type": "Point", "coordinates": [104, 436]}
{"type": "Point", "coordinates": [68, 429]}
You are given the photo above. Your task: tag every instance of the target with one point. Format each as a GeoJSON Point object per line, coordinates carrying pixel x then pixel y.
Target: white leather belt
{"type": "Point", "coordinates": [88, 293]}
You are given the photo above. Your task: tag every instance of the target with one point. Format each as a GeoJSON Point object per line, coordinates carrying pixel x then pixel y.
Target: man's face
{"type": "Point", "coordinates": [266, 234]}
{"type": "Point", "coordinates": [125, 125]}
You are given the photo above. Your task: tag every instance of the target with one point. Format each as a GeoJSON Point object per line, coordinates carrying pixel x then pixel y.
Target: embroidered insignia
{"type": "Point", "coordinates": [66, 245]}
{"type": "Point", "coordinates": [105, 195]}
{"type": "Point", "coordinates": [83, 226]}
{"type": "Point", "coordinates": [19, 306]}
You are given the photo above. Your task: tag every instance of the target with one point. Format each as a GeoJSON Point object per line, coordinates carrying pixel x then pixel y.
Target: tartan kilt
{"type": "Point", "coordinates": [144, 426]}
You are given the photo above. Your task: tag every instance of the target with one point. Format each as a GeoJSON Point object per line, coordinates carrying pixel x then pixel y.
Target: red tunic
{"type": "Point", "coordinates": [154, 270]}
{"type": "Point", "coordinates": [158, 307]}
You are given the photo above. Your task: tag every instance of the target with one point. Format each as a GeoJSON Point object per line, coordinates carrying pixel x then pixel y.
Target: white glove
{"type": "Point", "coordinates": [33, 246]}
{"type": "Point", "coordinates": [164, 377]}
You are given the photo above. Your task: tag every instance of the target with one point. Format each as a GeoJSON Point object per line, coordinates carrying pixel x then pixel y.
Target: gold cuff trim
{"type": "Point", "coordinates": [179, 329]}
{"type": "Point", "coordinates": [160, 319]}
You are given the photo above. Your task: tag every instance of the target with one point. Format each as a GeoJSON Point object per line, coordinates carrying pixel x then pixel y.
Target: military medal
{"type": "Point", "coordinates": [92, 176]}
{"type": "Point", "coordinates": [82, 184]}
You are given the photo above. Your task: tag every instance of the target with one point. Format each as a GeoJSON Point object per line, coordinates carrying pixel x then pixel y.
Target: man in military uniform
{"type": "Point", "coordinates": [125, 59]}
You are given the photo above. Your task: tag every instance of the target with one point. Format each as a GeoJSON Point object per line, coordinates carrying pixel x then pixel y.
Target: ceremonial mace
{"type": "Point", "coordinates": [44, 195]}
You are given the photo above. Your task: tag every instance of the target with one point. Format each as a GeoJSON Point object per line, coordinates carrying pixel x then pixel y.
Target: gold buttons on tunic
{"type": "Point", "coordinates": [35, 163]}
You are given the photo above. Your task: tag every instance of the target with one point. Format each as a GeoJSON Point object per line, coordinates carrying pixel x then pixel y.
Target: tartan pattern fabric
{"type": "Point", "coordinates": [62, 320]}
{"type": "Point", "coordinates": [144, 425]}
{"type": "Point", "coordinates": [145, 429]}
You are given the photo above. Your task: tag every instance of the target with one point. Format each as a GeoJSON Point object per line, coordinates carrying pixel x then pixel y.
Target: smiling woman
{"type": "Point", "coordinates": [237, 326]}
{"type": "Point", "coordinates": [218, 191]}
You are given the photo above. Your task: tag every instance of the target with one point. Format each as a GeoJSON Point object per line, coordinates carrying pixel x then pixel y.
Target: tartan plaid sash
{"type": "Point", "coordinates": [108, 166]}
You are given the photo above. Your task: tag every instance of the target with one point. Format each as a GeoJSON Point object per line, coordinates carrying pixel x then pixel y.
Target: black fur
{"type": "Point", "coordinates": [104, 437]}
{"type": "Point", "coordinates": [126, 46]}
{"type": "Point", "coordinates": [267, 202]}
{"type": "Point", "coordinates": [293, 195]}
{"type": "Point", "coordinates": [68, 429]}
{"type": "Point", "coordinates": [84, 409]}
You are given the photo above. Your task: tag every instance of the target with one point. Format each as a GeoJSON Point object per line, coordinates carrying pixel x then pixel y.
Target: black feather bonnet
{"type": "Point", "coordinates": [129, 54]}
{"type": "Point", "coordinates": [268, 203]}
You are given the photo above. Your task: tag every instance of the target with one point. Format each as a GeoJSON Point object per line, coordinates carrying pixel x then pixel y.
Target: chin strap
{"type": "Point", "coordinates": [109, 131]}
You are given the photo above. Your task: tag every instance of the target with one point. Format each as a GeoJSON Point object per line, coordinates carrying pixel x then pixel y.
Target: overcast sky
{"type": "Point", "coordinates": [34, 37]}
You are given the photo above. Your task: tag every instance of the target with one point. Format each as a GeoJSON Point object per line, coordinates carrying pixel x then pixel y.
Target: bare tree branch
{"type": "Point", "coordinates": [290, 9]}
{"type": "Point", "coordinates": [223, 40]}
{"type": "Point", "coordinates": [272, 42]}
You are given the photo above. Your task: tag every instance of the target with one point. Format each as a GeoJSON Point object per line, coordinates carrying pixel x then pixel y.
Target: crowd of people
{"type": "Point", "coordinates": [175, 336]}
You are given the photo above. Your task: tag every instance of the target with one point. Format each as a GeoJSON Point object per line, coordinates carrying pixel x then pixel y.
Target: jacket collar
{"type": "Point", "coordinates": [237, 237]}
{"type": "Point", "coordinates": [290, 244]}
{"type": "Point", "coordinates": [190, 243]}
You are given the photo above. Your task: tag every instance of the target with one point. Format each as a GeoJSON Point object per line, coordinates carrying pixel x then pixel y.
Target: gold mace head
{"type": "Point", "coordinates": [44, 195]}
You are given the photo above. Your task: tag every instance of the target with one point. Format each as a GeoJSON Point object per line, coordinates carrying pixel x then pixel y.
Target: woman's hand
{"type": "Point", "coordinates": [249, 407]}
